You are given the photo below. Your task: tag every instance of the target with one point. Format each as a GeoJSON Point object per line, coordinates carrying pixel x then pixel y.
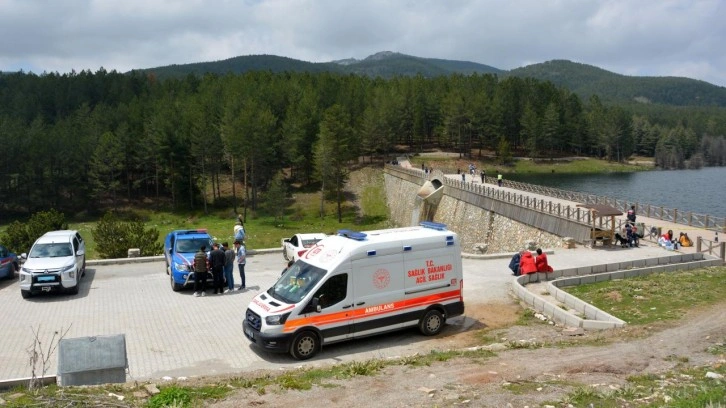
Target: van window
{"type": "Point", "coordinates": [296, 282]}
{"type": "Point", "coordinates": [333, 291]}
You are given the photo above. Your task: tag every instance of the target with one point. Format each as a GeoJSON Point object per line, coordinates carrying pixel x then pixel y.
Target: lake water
{"type": "Point", "coordinates": [701, 191]}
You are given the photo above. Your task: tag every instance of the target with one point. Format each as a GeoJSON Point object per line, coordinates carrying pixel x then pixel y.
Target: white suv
{"type": "Point", "coordinates": [56, 262]}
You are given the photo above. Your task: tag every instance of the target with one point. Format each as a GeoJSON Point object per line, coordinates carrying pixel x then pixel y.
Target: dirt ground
{"type": "Point", "coordinates": [516, 377]}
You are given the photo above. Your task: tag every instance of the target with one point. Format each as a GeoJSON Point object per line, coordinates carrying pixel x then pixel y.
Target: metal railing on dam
{"type": "Point", "coordinates": [575, 214]}
{"type": "Point", "coordinates": [675, 216]}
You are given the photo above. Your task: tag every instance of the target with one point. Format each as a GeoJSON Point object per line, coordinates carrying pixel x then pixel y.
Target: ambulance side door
{"type": "Point", "coordinates": [378, 285]}
{"type": "Point", "coordinates": [335, 298]}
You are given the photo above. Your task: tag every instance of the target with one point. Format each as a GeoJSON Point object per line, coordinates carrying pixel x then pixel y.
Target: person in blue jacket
{"type": "Point", "coordinates": [514, 263]}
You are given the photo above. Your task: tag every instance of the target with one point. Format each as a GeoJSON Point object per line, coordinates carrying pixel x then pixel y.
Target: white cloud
{"type": "Point", "coordinates": [647, 37]}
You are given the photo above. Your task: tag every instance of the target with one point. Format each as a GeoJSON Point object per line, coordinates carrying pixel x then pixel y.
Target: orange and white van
{"type": "Point", "coordinates": [357, 284]}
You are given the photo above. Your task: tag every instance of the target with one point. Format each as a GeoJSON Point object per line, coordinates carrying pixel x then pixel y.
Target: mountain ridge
{"type": "Point", "coordinates": [583, 79]}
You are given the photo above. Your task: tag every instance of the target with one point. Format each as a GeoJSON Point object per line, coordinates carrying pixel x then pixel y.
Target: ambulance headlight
{"type": "Point", "coordinates": [277, 319]}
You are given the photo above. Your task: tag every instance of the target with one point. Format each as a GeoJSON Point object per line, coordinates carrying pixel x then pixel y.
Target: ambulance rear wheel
{"type": "Point", "coordinates": [432, 323]}
{"type": "Point", "coordinates": [305, 345]}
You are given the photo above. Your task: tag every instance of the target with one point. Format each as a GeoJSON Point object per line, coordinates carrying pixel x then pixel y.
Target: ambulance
{"type": "Point", "coordinates": [357, 284]}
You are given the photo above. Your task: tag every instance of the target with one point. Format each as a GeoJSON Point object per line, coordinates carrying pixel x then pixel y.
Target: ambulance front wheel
{"type": "Point", "coordinates": [432, 323]}
{"type": "Point", "coordinates": [305, 345]}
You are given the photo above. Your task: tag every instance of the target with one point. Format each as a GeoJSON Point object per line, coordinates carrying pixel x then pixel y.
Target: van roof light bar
{"type": "Point", "coordinates": [433, 225]}
{"type": "Point", "coordinates": [358, 236]}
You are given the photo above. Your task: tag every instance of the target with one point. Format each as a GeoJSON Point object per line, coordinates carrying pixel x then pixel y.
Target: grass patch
{"type": "Point", "coordinates": [683, 388]}
{"type": "Point", "coordinates": [538, 166]}
{"type": "Point", "coordinates": [717, 349]}
{"type": "Point", "coordinates": [180, 395]}
{"type": "Point", "coordinates": [655, 297]}
{"type": "Point", "coordinates": [368, 211]}
{"type": "Point", "coordinates": [584, 166]}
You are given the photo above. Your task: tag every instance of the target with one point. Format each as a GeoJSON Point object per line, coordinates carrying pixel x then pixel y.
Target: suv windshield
{"type": "Point", "coordinates": [192, 244]}
{"type": "Point", "coordinates": [296, 282]}
{"type": "Point", "coordinates": [54, 250]}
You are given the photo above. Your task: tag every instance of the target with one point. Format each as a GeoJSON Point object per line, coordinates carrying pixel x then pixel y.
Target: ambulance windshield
{"type": "Point", "coordinates": [297, 281]}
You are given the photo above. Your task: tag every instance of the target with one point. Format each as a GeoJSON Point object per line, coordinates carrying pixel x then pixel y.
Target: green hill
{"type": "Point", "coordinates": [583, 79]}
{"type": "Point", "coordinates": [387, 64]}
{"type": "Point", "coordinates": [383, 64]}
{"type": "Point", "coordinates": [242, 64]}
{"type": "Point", "coordinates": [587, 80]}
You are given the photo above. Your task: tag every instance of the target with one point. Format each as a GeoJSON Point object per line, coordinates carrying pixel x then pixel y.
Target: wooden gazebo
{"type": "Point", "coordinates": [602, 225]}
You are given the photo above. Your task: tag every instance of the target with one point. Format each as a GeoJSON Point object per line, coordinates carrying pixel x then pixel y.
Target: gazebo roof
{"type": "Point", "coordinates": [601, 210]}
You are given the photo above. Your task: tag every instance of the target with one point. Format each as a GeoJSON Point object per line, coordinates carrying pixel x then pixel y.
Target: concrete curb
{"type": "Point", "coordinates": [156, 258]}
{"type": "Point", "coordinates": [501, 255]}
{"type": "Point", "coordinates": [25, 382]}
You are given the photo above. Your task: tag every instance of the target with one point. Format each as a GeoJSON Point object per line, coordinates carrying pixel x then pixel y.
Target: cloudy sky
{"type": "Point", "coordinates": [632, 37]}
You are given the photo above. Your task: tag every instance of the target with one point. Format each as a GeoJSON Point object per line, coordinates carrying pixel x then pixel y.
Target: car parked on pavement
{"type": "Point", "coordinates": [56, 263]}
{"type": "Point", "coordinates": [298, 244]}
{"type": "Point", "coordinates": [9, 263]}
{"type": "Point", "coordinates": [179, 249]}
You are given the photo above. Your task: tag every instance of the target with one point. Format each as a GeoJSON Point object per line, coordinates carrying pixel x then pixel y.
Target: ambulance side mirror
{"type": "Point", "coordinates": [313, 306]}
{"type": "Point", "coordinates": [316, 305]}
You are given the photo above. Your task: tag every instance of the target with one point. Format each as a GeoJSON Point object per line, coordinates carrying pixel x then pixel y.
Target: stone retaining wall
{"type": "Point", "coordinates": [595, 318]}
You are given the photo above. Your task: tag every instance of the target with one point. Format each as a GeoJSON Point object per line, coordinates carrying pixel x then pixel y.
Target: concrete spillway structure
{"type": "Point", "coordinates": [428, 198]}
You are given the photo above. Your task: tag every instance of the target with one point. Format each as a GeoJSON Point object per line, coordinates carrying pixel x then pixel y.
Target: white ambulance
{"type": "Point", "coordinates": [357, 284]}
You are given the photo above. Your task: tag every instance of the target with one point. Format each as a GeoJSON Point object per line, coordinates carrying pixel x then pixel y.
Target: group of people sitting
{"type": "Point", "coordinates": [631, 235]}
{"type": "Point", "coordinates": [668, 240]}
{"type": "Point", "coordinates": [523, 262]}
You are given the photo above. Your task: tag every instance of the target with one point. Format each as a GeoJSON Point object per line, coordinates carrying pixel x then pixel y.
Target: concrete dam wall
{"type": "Point", "coordinates": [480, 221]}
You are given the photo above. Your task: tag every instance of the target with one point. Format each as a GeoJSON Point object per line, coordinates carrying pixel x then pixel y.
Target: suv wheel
{"type": "Point", "coordinates": [25, 293]}
{"type": "Point", "coordinates": [175, 286]}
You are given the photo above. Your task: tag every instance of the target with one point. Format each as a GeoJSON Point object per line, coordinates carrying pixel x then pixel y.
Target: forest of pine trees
{"type": "Point", "coordinates": [86, 140]}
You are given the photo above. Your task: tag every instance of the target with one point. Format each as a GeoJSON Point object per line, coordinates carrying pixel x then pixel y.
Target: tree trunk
{"type": "Point", "coordinates": [247, 191]}
{"type": "Point", "coordinates": [322, 198]}
{"type": "Point", "coordinates": [234, 184]}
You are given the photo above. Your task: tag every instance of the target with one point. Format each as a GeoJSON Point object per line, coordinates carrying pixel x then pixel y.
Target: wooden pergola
{"type": "Point", "coordinates": [602, 227]}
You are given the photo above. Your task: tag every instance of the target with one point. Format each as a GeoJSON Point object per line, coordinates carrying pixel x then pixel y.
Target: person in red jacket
{"type": "Point", "coordinates": [541, 262]}
{"type": "Point", "coordinates": [526, 263]}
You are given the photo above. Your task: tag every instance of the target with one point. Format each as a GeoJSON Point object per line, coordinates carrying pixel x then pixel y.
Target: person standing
{"type": "Point", "coordinates": [239, 230]}
{"type": "Point", "coordinates": [483, 176]}
{"type": "Point", "coordinates": [200, 272]}
{"type": "Point", "coordinates": [241, 261]}
{"type": "Point", "coordinates": [631, 214]}
{"type": "Point", "coordinates": [229, 255]}
{"type": "Point", "coordinates": [216, 259]}
{"type": "Point", "coordinates": [499, 179]}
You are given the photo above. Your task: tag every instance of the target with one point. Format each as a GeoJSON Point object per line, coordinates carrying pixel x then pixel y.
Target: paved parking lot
{"type": "Point", "coordinates": [175, 334]}
{"type": "Point", "coordinates": [167, 333]}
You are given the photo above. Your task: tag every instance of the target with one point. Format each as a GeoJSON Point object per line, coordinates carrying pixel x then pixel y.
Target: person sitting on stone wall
{"type": "Point", "coordinates": [526, 263]}
{"type": "Point", "coordinates": [541, 262]}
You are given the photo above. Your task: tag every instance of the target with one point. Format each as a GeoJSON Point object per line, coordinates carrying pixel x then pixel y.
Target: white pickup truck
{"type": "Point", "coordinates": [298, 244]}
